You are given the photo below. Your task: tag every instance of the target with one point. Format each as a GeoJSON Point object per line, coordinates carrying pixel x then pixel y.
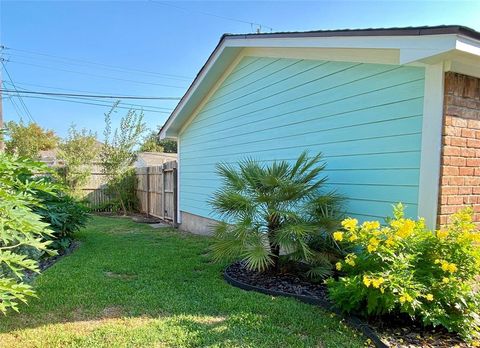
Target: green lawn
{"type": "Point", "coordinates": [129, 285]}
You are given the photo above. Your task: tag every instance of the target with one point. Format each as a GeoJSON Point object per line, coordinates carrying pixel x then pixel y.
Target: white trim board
{"type": "Point", "coordinates": [431, 144]}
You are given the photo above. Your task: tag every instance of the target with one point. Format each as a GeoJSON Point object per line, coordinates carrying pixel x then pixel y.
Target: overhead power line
{"type": "Point", "coordinates": [29, 115]}
{"type": "Point", "coordinates": [88, 62]}
{"type": "Point", "coordinates": [73, 90]}
{"type": "Point", "coordinates": [88, 95]}
{"type": "Point", "coordinates": [258, 25]}
{"type": "Point", "coordinates": [96, 75]}
{"type": "Point", "coordinates": [77, 101]}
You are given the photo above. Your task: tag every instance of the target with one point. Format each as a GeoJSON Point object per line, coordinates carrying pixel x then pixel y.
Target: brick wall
{"type": "Point", "coordinates": [460, 162]}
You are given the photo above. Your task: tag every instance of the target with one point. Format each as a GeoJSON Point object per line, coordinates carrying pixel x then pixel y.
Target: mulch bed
{"type": "Point", "coordinates": [389, 330]}
{"type": "Point", "coordinates": [45, 263]}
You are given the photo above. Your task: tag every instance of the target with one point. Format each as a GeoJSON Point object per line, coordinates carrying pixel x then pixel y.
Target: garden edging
{"type": "Point", "coordinates": [353, 321]}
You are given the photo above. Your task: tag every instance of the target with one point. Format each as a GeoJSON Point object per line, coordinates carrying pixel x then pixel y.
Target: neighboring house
{"type": "Point", "coordinates": [151, 159]}
{"type": "Point", "coordinates": [49, 157]}
{"type": "Point", "coordinates": [396, 113]}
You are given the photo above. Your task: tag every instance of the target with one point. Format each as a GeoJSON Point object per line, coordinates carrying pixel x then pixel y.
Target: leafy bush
{"type": "Point", "coordinates": [405, 268]}
{"type": "Point", "coordinates": [20, 228]}
{"type": "Point", "coordinates": [64, 213]}
{"type": "Point", "coordinates": [268, 208]}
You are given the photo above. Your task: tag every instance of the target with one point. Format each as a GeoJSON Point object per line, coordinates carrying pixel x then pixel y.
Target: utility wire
{"type": "Point", "coordinates": [57, 61]}
{"type": "Point", "coordinates": [89, 95]}
{"type": "Point", "coordinates": [94, 104]}
{"type": "Point", "coordinates": [96, 75]}
{"type": "Point", "coordinates": [259, 25]}
{"type": "Point", "coordinates": [76, 90]}
{"type": "Point", "coordinates": [19, 96]}
{"type": "Point", "coordinates": [116, 67]}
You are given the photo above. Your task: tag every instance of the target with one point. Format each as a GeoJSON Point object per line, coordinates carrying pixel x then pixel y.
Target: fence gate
{"type": "Point", "coordinates": [157, 191]}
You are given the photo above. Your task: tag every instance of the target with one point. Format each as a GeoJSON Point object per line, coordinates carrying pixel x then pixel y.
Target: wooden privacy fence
{"type": "Point", "coordinates": [157, 191]}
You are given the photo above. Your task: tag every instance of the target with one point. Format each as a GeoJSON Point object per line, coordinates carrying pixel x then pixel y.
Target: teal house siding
{"type": "Point", "coordinates": [366, 119]}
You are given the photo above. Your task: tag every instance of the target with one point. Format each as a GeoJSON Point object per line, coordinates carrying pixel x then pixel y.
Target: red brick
{"type": "Point", "coordinates": [449, 190]}
{"type": "Point", "coordinates": [470, 199]}
{"type": "Point", "coordinates": [468, 133]}
{"type": "Point", "coordinates": [451, 151]}
{"type": "Point", "coordinates": [466, 171]}
{"type": "Point", "coordinates": [447, 170]}
{"type": "Point", "coordinates": [458, 141]}
{"type": "Point", "coordinates": [466, 152]}
{"type": "Point", "coordinates": [473, 162]}
{"type": "Point", "coordinates": [459, 122]}
{"type": "Point", "coordinates": [452, 200]}
{"type": "Point", "coordinates": [473, 143]}
{"type": "Point", "coordinates": [458, 161]}
{"type": "Point", "coordinates": [474, 124]}
{"type": "Point", "coordinates": [465, 190]}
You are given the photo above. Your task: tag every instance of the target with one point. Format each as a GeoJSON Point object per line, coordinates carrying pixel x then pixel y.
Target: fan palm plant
{"type": "Point", "coordinates": [271, 208]}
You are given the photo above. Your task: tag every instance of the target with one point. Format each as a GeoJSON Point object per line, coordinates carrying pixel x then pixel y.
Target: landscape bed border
{"type": "Point", "coordinates": [352, 320]}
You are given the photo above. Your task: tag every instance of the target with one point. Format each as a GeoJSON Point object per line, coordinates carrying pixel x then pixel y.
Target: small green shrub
{"type": "Point", "coordinates": [268, 208]}
{"type": "Point", "coordinates": [405, 268]}
{"type": "Point", "coordinates": [64, 213]}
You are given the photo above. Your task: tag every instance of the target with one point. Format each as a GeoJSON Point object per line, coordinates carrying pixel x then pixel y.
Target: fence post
{"type": "Point", "coordinates": [147, 175]}
{"type": "Point", "coordinates": [164, 201]}
{"type": "Point", "coordinates": [175, 196]}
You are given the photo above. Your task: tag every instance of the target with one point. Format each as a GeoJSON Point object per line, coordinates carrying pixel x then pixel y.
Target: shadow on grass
{"type": "Point", "coordinates": [132, 285]}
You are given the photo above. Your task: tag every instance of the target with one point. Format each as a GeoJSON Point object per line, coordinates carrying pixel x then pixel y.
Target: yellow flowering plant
{"type": "Point", "coordinates": [403, 267]}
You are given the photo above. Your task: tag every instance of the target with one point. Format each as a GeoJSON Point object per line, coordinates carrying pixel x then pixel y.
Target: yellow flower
{"type": "Point", "coordinates": [350, 259]}
{"type": "Point", "coordinates": [371, 225]}
{"type": "Point", "coordinates": [452, 268]}
{"type": "Point", "coordinates": [390, 241]}
{"type": "Point", "coordinates": [406, 298]}
{"type": "Point", "coordinates": [371, 248]}
{"type": "Point", "coordinates": [374, 241]}
{"type": "Point", "coordinates": [442, 234]}
{"type": "Point", "coordinates": [429, 297]}
{"type": "Point", "coordinates": [350, 224]}
{"type": "Point", "coordinates": [377, 282]}
{"type": "Point", "coordinates": [338, 266]}
{"type": "Point", "coordinates": [353, 238]}
{"type": "Point", "coordinates": [338, 236]}
{"type": "Point", "coordinates": [446, 280]}
{"type": "Point", "coordinates": [367, 281]}
{"type": "Point", "coordinates": [404, 227]}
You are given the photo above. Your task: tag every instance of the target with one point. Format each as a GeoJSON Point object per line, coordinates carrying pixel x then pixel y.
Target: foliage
{"type": "Point", "coordinates": [79, 150]}
{"type": "Point", "coordinates": [20, 227]}
{"type": "Point", "coordinates": [152, 143]}
{"type": "Point", "coordinates": [404, 267]}
{"type": "Point", "coordinates": [28, 140]}
{"type": "Point", "coordinates": [64, 213]}
{"type": "Point", "coordinates": [118, 152]}
{"type": "Point", "coordinates": [268, 208]}
{"type": "Point", "coordinates": [154, 287]}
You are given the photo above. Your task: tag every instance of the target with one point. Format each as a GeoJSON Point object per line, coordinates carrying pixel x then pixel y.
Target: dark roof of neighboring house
{"type": "Point", "coordinates": [403, 31]}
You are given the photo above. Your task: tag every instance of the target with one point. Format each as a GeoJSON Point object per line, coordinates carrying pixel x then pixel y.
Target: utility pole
{"type": "Point", "coordinates": [2, 144]}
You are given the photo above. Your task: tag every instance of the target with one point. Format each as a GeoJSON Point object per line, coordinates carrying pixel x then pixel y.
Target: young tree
{"type": "Point", "coordinates": [27, 140]}
{"type": "Point", "coordinates": [79, 150]}
{"type": "Point", "coordinates": [118, 152]}
{"type": "Point", "coordinates": [152, 143]}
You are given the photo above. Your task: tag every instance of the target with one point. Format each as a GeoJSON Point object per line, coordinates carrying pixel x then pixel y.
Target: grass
{"type": "Point", "coordinates": [129, 285]}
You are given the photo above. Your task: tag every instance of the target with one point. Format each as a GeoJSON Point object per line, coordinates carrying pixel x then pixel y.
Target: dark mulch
{"type": "Point", "coordinates": [285, 282]}
{"type": "Point", "coordinates": [47, 262]}
{"type": "Point", "coordinates": [394, 331]}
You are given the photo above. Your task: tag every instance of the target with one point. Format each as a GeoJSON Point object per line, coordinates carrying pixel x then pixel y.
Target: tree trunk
{"type": "Point", "coordinates": [122, 203]}
{"type": "Point", "coordinates": [274, 247]}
